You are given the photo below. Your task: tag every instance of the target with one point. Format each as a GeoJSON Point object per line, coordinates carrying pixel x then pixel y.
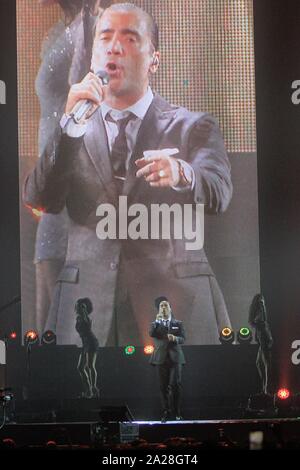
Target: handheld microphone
{"type": "Point", "coordinates": [82, 108]}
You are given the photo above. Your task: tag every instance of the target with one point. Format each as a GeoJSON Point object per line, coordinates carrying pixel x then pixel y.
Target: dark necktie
{"type": "Point", "coordinates": [119, 149]}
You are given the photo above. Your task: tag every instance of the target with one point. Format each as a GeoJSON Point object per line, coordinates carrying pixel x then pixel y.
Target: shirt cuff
{"type": "Point", "coordinates": [71, 128]}
{"type": "Point", "coordinates": [190, 176]}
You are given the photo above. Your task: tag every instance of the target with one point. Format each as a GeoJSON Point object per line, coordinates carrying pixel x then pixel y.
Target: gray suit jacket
{"type": "Point", "coordinates": [165, 348]}
{"type": "Point", "coordinates": [78, 174]}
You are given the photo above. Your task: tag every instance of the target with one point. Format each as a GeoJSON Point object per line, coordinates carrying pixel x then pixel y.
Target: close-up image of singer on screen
{"type": "Point", "coordinates": [138, 171]}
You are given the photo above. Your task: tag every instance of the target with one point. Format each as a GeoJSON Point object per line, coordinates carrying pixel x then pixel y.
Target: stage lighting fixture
{"type": "Point", "coordinates": [48, 338]}
{"type": "Point", "coordinates": [226, 335]}
{"type": "Point", "coordinates": [129, 350]}
{"type": "Point", "coordinates": [8, 443]}
{"type": "Point", "coordinates": [244, 335]}
{"type": "Point", "coordinates": [51, 444]}
{"type": "Point", "coordinates": [11, 338]}
{"type": "Point", "coordinates": [31, 337]}
{"type": "Point", "coordinates": [283, 393]}
{"type": "Point", "coordinates": [283, 402]}
{"type": "Point", "coordinates": [148, 349]}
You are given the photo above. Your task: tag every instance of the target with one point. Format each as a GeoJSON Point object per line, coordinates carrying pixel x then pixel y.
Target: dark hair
{"type": "Point", "coordinates": [86, 302]}
{"type": "Point", "coordinates": [151, 23]}
{"type": "Point", "coordinates": [158, 300]}
{"type": "Point", "coordinates": [255, 310]}
{"type": "Point", "coordinates": [70, 8]}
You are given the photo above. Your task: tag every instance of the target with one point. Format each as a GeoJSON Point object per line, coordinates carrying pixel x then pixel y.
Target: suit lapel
{"type": "Point", "coordinates": [157, 119]}
{"type": "Point", "coordinates": [96, 144]}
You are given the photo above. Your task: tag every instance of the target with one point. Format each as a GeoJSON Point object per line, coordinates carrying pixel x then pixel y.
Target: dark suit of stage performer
{"type": "Point", "coordinates": [263, 336]}
{"type": "Point", "coordinates": [87, 359]}
{"type": "Point", "coordinates": [168, 356]}
{"type": "Point", "coordinates": [84, 173]}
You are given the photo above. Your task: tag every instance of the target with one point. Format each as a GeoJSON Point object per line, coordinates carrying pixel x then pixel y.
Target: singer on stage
{"type": "Point", "coordinates": [168, 357]}
{"type": "Point", "coordinates": [102, 157]}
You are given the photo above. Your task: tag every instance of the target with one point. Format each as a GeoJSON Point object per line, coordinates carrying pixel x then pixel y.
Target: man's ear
{"type": "Point", "coordinates": [154, 62]}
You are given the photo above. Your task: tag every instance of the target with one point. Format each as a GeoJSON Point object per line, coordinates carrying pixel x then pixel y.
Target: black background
{"type": "Point", "coordinates": [277, 43]}
{"type": "Point", "coordinates": [9, 186]}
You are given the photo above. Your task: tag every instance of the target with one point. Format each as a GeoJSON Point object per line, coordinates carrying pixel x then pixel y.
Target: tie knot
{"type": "Point", "coordinates": [122, 122]}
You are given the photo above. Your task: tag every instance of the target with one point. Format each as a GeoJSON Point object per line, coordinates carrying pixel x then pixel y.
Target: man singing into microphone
{"type": "Point", "coordinates": [168, 356]}
{"type": "Point", "coordinates": [102, 158]}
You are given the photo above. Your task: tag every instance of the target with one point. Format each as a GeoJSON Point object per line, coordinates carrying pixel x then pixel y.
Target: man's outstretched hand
{"type": "Point", "coordinates": [159, 170]}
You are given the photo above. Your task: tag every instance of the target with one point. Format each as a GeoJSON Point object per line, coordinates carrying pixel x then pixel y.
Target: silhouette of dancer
{"type": "Point", "coordinates": [87, 359]}
{"type": "Point", "coordinates": [263, 336]}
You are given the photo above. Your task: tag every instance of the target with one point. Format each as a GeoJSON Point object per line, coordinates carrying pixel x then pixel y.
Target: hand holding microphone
{"type": "Point", "coordinates": [85, 97]}
{"type": "Point", "coordinates": [171, 338]}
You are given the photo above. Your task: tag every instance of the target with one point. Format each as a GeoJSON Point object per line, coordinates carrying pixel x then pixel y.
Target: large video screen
{"type": "Point", "coordinates": [177, 216]}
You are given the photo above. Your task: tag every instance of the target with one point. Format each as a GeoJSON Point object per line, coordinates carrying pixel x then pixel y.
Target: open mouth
{"type": "Point", "coordinates": [114, 70]}
{"type": "Point", "coordinates": [111, 67]}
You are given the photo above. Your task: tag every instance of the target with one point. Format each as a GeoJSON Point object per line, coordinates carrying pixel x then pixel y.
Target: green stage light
{"type": "Point", "coordinates": [244, 335]}
{"type": "Point", "coordinates": [129, 350]}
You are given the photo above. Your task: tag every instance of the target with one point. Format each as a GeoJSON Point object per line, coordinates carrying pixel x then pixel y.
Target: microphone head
{"type": "Point", "coordinates": [103, 75]}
